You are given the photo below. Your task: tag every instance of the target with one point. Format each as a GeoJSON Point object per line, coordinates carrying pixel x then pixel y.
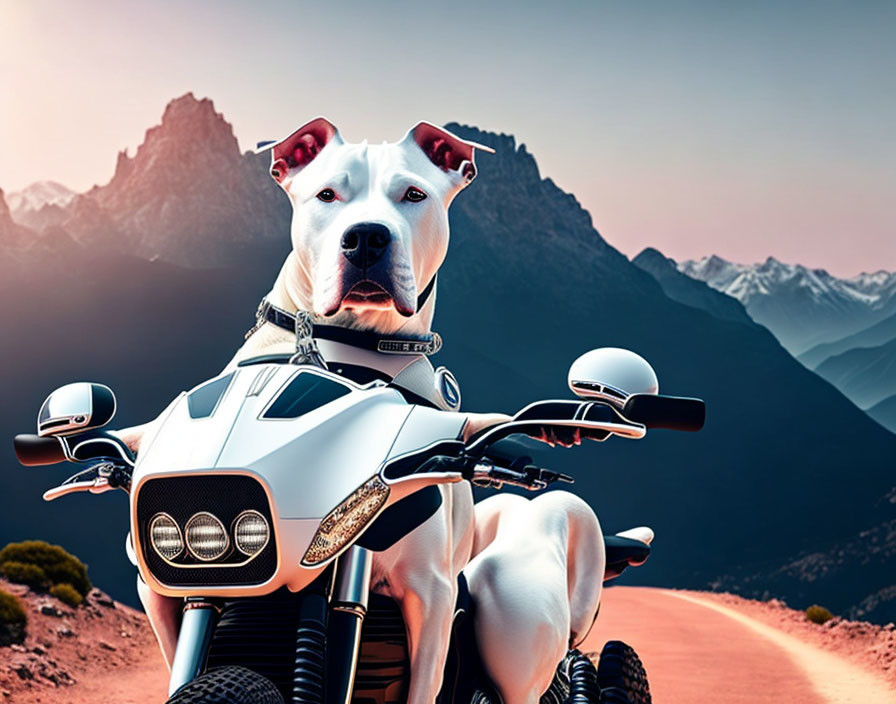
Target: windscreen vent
{"type": "Point", "coordinates": [204, 400]}
{"type": "Point", "coordinates": [303, 394]}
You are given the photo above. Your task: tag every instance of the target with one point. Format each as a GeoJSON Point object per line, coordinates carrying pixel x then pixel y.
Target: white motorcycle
{"type": "Point", "coordinates": [262, 492]}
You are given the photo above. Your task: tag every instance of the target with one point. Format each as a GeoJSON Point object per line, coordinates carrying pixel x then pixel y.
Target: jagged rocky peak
{"type": "Point", "coordinates": [195, 120]}
{"type": "Point", "coordinates": [510, 183]}
{"type": "Point", "coordinates": [191, 136]}
{"type": "Point", "coordinates": [507, 155]}
{"type": "Point", "coordinates": [187, 195]}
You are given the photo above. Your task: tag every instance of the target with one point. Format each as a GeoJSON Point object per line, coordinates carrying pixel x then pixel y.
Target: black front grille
{"type": "Point", "coordinates": [225, 496]}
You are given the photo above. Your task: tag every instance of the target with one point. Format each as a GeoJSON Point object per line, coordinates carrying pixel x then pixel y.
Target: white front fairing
{"type": "Point", "coordinates": [307, 464]}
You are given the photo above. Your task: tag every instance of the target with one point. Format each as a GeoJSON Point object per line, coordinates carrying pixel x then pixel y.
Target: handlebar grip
{"type": "Point", "coordinates": [33, 450]}
{"type": "Point", "coordinates": [670, 412]}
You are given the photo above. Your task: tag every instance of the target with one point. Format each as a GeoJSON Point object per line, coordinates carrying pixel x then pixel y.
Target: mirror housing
{"type": "Point", "coordinates": [611, 374]}
{"type": "Point", "coordinates": [76, 408]}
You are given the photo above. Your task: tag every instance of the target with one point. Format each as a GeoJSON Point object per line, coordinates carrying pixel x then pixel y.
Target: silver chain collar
{"type": "Point", "coordinates": [307, 351]}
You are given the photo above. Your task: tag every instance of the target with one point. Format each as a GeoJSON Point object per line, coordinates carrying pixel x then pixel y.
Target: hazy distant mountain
{"type": "Point", "coordinates": [40, 205]}
{"type": "Point", "coordinates": [528, 285]}
{"type": "Point", "coordinates": [14, 238]}
{"type": "Point", "coordinates": [802, 307]}
{"type": "Point", "coordinates": [885, 413]}
{"type": "Point", "coordinates": [867, 375]}
{"type": "Point", "coordinates": [877, 334]}
{"type": "Point", "coordinates": [37, 195]}
{"type": "Point", "coordinates": [692, 292]}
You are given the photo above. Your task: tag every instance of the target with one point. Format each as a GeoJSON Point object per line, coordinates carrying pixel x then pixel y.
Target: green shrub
{"type": "Point", "coordinates": [11, 610]}
{"type": "Point", "coordinates": [818, 614]}
{"type": "Point", "coordinates": [12, 619]}
{"type": "Point", "coordinates": [24, 573]}
{"type": "Point", "coordinates": [59, 566]}
{"type": "Point", "coordinates": [67, 594]}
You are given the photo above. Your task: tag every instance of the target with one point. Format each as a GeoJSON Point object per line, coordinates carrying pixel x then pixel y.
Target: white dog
{"type": "Point", "coordinates": [369, 233]}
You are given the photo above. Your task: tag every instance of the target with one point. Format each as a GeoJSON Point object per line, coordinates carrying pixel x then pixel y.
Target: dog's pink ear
{"type": "Point", "coordinates": [301, 147]}
{"type": "Point", "coordinates": [447, 151]}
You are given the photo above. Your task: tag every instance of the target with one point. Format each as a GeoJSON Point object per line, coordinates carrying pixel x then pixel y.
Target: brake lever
{"type": "Point", "coordinates": [97, 479]}
{"type": "Point", "coordinates": [96, 486]}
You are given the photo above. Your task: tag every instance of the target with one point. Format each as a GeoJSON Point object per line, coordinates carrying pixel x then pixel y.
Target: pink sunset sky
{"type": "Point", "coordinates": [743, 129]}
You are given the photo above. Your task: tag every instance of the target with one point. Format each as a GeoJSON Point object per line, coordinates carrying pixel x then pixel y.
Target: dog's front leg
{"type": "Point", "coordinates": [427, 605]}
{"type": "Point", "coordinates": [420, 573]}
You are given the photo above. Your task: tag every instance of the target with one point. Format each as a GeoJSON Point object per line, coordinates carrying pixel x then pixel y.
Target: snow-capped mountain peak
{"type": "Point", "coordinates": [744, 281]}
{"type": "Point", "coordinates": [34, 197]}
{"type": "Point", "coordinates": [802, 306]}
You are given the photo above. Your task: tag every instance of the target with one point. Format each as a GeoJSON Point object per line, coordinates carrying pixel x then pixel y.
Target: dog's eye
{"type": "Point", "coordinates": [328, 195]}
{"type": "Point", "coordinates": [415, 195]}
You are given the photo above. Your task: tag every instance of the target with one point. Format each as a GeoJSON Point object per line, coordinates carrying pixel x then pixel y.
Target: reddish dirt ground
{"type": "Point", "coordinates": [700, 647]}
{"type": "Point", "coordinates": [697, 648]}
{"type": "Point", "coordinates": [100, 652]}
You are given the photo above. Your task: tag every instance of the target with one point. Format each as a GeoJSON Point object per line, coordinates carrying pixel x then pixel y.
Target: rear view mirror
{"type": "Point", "coordinates": [611, 374]}
{"type": "Point", "coordinates": [627, 382]}
{"type": "Point", "coordinates": [75, 408]}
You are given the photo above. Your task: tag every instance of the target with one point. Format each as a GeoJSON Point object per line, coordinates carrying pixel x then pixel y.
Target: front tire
{"type": "Point", "coordinates": [228, 685]}
{"type": "Point", "coordinates": [621, 675]}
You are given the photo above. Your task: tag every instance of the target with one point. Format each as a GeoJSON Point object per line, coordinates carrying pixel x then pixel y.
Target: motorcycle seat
{"type": "Point", "coordinates": [629, 548]}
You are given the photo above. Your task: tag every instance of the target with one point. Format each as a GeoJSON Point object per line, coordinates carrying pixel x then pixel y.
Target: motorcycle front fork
{"type": "Point", "coordinates": [348, 606]}
{"type": "Point", "coordinates": [196, 629]}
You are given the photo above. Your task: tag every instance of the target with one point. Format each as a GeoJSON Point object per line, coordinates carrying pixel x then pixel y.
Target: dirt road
{"type": "Point", "coordinates": [698, 650]}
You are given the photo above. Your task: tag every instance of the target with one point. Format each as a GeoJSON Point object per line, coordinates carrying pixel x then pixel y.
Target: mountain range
{"type": "Point", "coordinates": [878, 334]}
{"type": "Point", "coordinates": [803, 307]}
{"type": "Point", "coordinates": [800, 305]}
{"type": "Point", "coordinates": [867, 375]}
{"type": "Point", "coordinates": [148, 282]}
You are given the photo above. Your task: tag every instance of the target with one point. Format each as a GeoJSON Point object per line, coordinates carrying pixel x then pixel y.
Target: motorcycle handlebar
{"type": "Point", "coordinates": [33, 450]}
{"type": "Point", "coordinates": [670, 412]}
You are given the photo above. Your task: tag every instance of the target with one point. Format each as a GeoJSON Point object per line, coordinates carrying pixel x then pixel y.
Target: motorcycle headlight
{"type": "Point", "coordinates": [344, 522]}
{"type": "Point", "coordinates": [251, 533]}
{"type": "Point", "coordinates": [207, 539]}
{"type": "Point", "coordinates": [165, 536]}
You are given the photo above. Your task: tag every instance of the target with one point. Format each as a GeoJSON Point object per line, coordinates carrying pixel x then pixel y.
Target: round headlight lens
{"type": "Point", "coordinates": [165, 536]}
{"type": "Point", "coordinates": [251, 532]}
{"type": "Point", "coordinates": [206, 538]}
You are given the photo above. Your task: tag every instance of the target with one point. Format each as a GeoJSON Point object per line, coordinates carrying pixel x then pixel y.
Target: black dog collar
{"type": "Point", "coordinates": [387, 344]}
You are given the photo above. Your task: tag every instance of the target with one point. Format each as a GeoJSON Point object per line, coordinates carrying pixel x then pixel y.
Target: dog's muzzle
{"type": "Point", "coordinates": [365, 244]}
{"type": "Point", "coordinates": [370, 278]}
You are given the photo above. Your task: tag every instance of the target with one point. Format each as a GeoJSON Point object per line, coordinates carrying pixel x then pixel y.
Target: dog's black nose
{"type": "Point", "coordinates": [365, 243]}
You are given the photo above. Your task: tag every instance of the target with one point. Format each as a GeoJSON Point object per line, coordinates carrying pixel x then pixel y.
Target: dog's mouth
{"type": "Point", "coordinates": [369, 295]}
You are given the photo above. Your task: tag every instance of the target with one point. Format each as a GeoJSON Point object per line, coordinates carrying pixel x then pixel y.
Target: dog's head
{"type": "Point", "coordinates": [370, 222]}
